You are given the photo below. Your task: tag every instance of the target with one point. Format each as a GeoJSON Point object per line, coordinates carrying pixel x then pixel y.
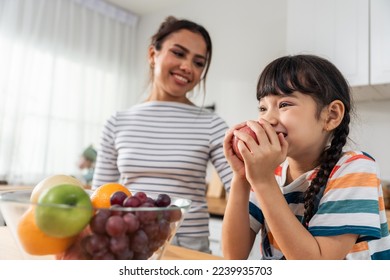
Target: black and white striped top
{"type": "Point", "coordinates": [165, 147]}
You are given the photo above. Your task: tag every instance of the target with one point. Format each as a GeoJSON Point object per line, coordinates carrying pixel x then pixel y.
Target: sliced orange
{"type": "Point", "coordinates": [36, 242]}
{"type": "Point", "coordinates": [101, 196]}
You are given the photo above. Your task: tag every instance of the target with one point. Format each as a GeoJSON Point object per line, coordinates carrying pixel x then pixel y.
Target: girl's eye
{"type": "Point", "coordinates": [262, 109]}
{"type": "Point", "coordinates": [283, 104]}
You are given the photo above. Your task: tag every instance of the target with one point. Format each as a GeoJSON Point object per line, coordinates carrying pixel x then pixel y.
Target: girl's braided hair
{"type": "Point", "coordinates": [319, 78]}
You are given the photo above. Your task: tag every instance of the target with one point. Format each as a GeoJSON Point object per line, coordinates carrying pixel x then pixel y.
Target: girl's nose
{"type": "Point", "coordinates": [271, 116]}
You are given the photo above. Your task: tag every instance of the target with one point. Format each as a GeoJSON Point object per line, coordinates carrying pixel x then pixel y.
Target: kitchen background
{"type": "Point", "coordinates": [248, 34]}
{"type": "Point", "coordinates": [44, 127]}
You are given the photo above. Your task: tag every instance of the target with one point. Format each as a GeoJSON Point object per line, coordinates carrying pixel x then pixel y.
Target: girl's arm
{"type": "Point", "coordinates": [237, 237]}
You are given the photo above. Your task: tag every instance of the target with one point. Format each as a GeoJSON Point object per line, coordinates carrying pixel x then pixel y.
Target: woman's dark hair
{"type": "Point", "coordinates": [171, 25]}
{"type": "Point", "coordinates": [320, 79]}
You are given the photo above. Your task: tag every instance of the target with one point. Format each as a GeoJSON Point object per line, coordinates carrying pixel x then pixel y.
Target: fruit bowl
{"type": "Point", "coordinates": [117, 232]}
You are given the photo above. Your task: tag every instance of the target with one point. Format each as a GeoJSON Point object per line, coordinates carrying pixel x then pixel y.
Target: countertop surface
{"type": "Point", "coordinates": [10, 251]}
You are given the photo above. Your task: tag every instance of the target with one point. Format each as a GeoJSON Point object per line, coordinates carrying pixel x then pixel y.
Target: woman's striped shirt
{"type": "Point", "coordinates": [165, 147]}
{"type": "Point", "coordinates": [351, 203]}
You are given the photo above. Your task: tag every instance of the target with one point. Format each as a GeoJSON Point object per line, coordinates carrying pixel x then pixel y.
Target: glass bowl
{"type": "Point", "coordinates": [112, 233]}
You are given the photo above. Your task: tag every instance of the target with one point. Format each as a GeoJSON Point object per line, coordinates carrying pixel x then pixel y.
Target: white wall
{"type": "Point", "coordinates": [246, 35]}
{"type": "Point", "coordinates": [371, 132]}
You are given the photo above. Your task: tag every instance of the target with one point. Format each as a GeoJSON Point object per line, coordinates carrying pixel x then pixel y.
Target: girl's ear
{"type": "Point", "coordinates": [335, 113]}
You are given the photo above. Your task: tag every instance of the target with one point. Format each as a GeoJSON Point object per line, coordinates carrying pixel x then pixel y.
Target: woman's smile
{"type": "Point", "coordinates": [181, 79]}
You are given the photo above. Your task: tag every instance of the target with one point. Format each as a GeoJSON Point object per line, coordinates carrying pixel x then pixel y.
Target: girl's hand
{"type": "Point", "coordinates": [262, 159]}
{"type": "Point", "coordinates": [236, 164]}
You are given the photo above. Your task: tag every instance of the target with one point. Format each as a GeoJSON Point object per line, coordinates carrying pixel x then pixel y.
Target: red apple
{"type": "Point", "coordinates": [247, 130]}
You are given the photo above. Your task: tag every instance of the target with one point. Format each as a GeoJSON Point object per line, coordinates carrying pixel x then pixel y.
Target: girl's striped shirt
{"type": "Point", "coordinates": [351, 203]}
{"type": "Point", "coordinates": [165, 147]}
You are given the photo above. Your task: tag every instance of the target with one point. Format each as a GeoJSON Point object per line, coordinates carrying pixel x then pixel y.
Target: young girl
{"type": "Point", "coordinates": [307, 197]}
{"type": "Point", "coordinates": [164, 144]}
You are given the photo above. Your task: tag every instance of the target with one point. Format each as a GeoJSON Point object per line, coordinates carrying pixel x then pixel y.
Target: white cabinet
{"type": "Point", "coordinates": [216, 236]}
{"type": "Point", "coordinates": [335, 29]}
{"type": "Point", "coordinates": [380, 41]}
{"type": "Point", "coordinates": [215, 225]}
{"type": "Point", "coordinates": [353, 34]}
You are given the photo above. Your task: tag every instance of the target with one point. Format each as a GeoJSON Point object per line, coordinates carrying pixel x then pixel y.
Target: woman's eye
{"type": "Point", "coordinates": [199, 64]}
{"type": "Point", "coordinates": [178, 53]}
{"type": "Point", "coordinates": [262, 109]}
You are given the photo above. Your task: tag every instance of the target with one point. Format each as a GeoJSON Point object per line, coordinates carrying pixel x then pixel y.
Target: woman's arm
{"type": "Point", "coordinates": [106, 169]}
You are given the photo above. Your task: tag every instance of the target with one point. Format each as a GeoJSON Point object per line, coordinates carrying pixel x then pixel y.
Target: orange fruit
{"type": "Point", "coordinates": [101, 196]}
{"type": "Point", "coordinates": [36, 242]}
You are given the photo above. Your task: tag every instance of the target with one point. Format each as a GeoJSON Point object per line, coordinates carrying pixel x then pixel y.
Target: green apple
{"type": "Point", "coordinates": [50, 182]}
{"type": "Point", "coordinates": [63, 210]}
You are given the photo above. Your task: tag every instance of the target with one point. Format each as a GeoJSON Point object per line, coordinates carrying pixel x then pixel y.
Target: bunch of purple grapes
{"type": "Point", "coordinates": [125, 235]}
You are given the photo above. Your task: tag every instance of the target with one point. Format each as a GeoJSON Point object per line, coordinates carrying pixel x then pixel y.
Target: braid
{"type": "Point", "coordinates": [329, 159]}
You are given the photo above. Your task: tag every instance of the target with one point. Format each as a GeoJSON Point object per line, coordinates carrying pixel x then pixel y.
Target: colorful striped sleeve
{"type": "Point", "coordinates": [351, 203]}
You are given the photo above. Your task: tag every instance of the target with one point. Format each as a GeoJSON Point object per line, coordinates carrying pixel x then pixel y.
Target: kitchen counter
{"type": "Point", "coordinates": [216, 205]}
{"type": "Point", "coordinates": [7, 188]}
{"type": "Point", "coordinates": [9, 250]}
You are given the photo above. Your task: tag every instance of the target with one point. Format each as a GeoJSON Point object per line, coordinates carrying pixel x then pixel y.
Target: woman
{"type": "Point", "coordinates": [164, 144]}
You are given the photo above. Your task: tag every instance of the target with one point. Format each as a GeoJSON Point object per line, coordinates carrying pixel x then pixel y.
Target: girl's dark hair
{"type": "Point", "coordinates": [320, 79]}
{"type": "Point", "coordinates": [171, 25]}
